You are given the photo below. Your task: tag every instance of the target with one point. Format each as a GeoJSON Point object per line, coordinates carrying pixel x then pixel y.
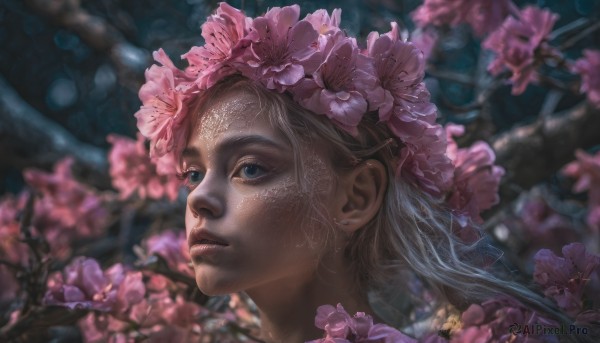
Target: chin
{"type": "Point", "coordinates": [214, 286]}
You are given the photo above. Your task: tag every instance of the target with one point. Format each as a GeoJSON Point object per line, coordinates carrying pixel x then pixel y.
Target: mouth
{"type": "Point", "coordinates": [204, 237]}
{"type": "Point", "coordinates": [206, 246]}
{"type": "Point", "coordinates": [210, 242]}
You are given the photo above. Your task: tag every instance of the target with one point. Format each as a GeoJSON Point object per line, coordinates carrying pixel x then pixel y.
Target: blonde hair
{"type": "Point", "coordinates": [411, 231]}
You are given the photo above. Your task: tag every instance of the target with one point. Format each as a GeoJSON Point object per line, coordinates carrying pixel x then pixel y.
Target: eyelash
{"type": "Point", "coordinates": [185, 176]}
{"type": "Point", "coordinates": [251, 164]}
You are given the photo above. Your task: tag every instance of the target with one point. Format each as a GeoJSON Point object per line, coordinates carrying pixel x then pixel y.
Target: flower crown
{"type": "Point", "coordinates": [322, 69]}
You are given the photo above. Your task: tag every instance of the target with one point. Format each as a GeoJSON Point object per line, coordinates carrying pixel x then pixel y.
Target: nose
{"type": "Point", "coordinates": [206, 200]}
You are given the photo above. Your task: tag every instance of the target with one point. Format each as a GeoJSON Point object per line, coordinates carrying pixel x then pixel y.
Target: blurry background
{"type": "Point", "coordinates": [77, 65]}
{"type": "Point", "coordinates": [70, 71]}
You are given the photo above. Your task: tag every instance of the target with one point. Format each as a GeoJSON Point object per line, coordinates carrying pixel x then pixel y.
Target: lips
{"type": "Point", "coordinates": [204, 237]}
{"type": "Point", "coordinates": [208, 241]}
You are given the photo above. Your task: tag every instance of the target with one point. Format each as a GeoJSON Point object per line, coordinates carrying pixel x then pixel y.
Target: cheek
{"type": "Point", "coordinates": [280, 219]}
{"type": "Point", "coordinates": [274, 211]}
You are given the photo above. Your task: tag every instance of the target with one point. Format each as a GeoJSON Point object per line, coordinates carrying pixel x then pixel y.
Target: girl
{"type": "Point", "coordinates": [316, 173]}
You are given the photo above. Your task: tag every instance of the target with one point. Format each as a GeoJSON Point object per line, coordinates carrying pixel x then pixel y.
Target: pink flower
{"type": "Point", "coordinates": [340, 327]}
{"type": "Point", "coordinates": [163, 108]}
{"type": "Point", "coordinates": [475, 334]}
{"type": "Point", "coordinates": [593, 217]}
{"type": "Point", "coordinates": [564, 278]}
{"type": "Point", "coordinates": [132, 170]}
{"type": "Point", "coordinates": [339, 86]}
{"type": "Point", "coordinates": [91, 330]}
{"type": "Point", "coordinates": [589, 68]}
{"type": "Point", "coordinates": [540, 218]}
{"type": "Point", "coordinates": [335, 321]}
{"type": "Point", "coordinates": [182, 80]}
{"type": "Point", "coordinates": [67, 209]}
{"type": "Point", "coordinates": [149, 312]}
{"type": "Point", "coordinates": [423, 161]}
{"type": "Point", "coordinates": [83, 284]}
{"type": "Point", "coordinates": [163, 319]}
{"type": "Point", "coordinates": [432, 337]}
{"type": "Point", "coordinates": [519, 43]}
{"type": "Point", "coordinates": [172, 246]}
{"type": "Point", "coordinates": [222, 32]}
{"type": "Point", "coordinates": [166, 165]}
{"type": "Point", "coordinates": [586, 169]}
{"type": "Point", "coordinates": [12, 248]}
{"type": "Point", "coordinates": [183, 313]}
{"type": "Point", "coordinates": [325, 25]}
{"type": "Point", "coordinates": [440, 12]}
{"type": "Point", "coordinates": [540, 226]}
{"type": "Point", "coordinates": [425, 40]}
{"type": "Point", "coordinates": [281, 49]}
{"type": "Point", "coordinates": [490, 322]}
{"type": "Point", "coordinates": [476, 178]}
{"type": "Point", "coordinates": [404, 102]}
{"type": "Point", "coordinates": [484, 16]}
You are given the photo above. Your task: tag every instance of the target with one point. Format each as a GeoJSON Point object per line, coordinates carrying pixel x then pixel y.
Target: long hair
{"type": "Point", "coordinates": [411, 232]}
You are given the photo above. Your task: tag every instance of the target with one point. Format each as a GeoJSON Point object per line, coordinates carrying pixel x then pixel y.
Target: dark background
{"type": "Point", "coordinates": [79, 64]}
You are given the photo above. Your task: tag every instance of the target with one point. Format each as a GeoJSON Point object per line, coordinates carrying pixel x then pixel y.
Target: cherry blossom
{"type": "Point", "coordinates": [476, 178]}
{"type": "Point", "coordinates": [564, 278]}
{"type": "Point", "coordinates": [172, 246]}
{"type": "Point", "coordinates": [484, 16]}
{"type": "Point", "coordinates": [12, 250]}
{"type": "Point", "coordinates": [403, 103]}
{"type": "Point", "coordinates": [423, 161]}
{"type": "Point", "coordinates": [281, 49]}
{"type": "Point", "coordinates": [589, 68]}
{"type": "Point", "coordinates": [66, 200]}
{"type": "Point", "coordinates": [83, 284]}
{"type": "Point", "coordinates": [425, 40]}
{"type": "Point", "coordinates": [339, 86]}
{"type": "Point", "coordinates": [490, 322]}
{"type": "Point", "coordinates": [163, 109]}
{"type": "Point", "coordinates": [400, 67]}
{"type": "Point", "coordinates": [538, 225]}
{"type": "Point", "coordinates": [67, 209]}
{"type": "Point", "coordinates": [164, 319]}
{"type": "Point", "coordinates": [340, 327]}
{"type": "Point", "coordinates": [11, 247]}
{"type": "Point", "coordinates": [222, 32]}
{"type": "Point", "coordinates": [519, 44]}
{"type": "Point", "coordinates": [325, 24]}
{"type": "Point", "coordinates": [586, 169]}
{"type": "Point", "coordinates": [132, 171]}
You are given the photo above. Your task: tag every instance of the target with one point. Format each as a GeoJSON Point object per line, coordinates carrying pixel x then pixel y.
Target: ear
{"type": "Point", "coordinates": [359, 195]}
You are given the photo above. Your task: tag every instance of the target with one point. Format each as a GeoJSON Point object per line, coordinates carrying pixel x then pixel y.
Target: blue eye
{"type": "Point", "coordinates": [191, 178]}
{"type": "Point", "coordinates": [252, 171]}
{"type": "Point", "coordinates": [194, 177]}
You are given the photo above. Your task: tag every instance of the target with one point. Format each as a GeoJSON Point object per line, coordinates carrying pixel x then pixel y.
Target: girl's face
{"type": "Point", "coordinates": [243, 194]}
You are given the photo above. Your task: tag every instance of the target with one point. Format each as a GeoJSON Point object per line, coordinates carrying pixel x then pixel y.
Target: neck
{"type": "Point", "coordinates": [288, 306]}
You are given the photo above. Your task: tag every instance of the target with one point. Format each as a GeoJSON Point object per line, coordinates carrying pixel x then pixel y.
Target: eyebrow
{"type": "Point", "coordinates": [235, 142]}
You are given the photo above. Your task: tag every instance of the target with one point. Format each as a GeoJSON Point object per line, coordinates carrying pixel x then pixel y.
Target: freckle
{"type": "Point", "coordinates": [317, 174]}
{"type": "Point", "coordinates": [233, 111]}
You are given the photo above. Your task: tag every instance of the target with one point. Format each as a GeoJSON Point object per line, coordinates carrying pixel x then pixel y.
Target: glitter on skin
{"type": "Point", "coordinates": [264, 222]}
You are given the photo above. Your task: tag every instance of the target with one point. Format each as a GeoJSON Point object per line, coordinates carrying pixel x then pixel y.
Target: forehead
{"type": "Point", "coordinates": [235, 111]}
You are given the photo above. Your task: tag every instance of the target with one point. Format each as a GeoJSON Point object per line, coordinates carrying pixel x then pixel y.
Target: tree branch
{"type": "Point", "coordinates": [131, 61]}
{"type": "Point", "coordinates": [28, 139]}
{"type": "Point", "coordinates": [533, 152]}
